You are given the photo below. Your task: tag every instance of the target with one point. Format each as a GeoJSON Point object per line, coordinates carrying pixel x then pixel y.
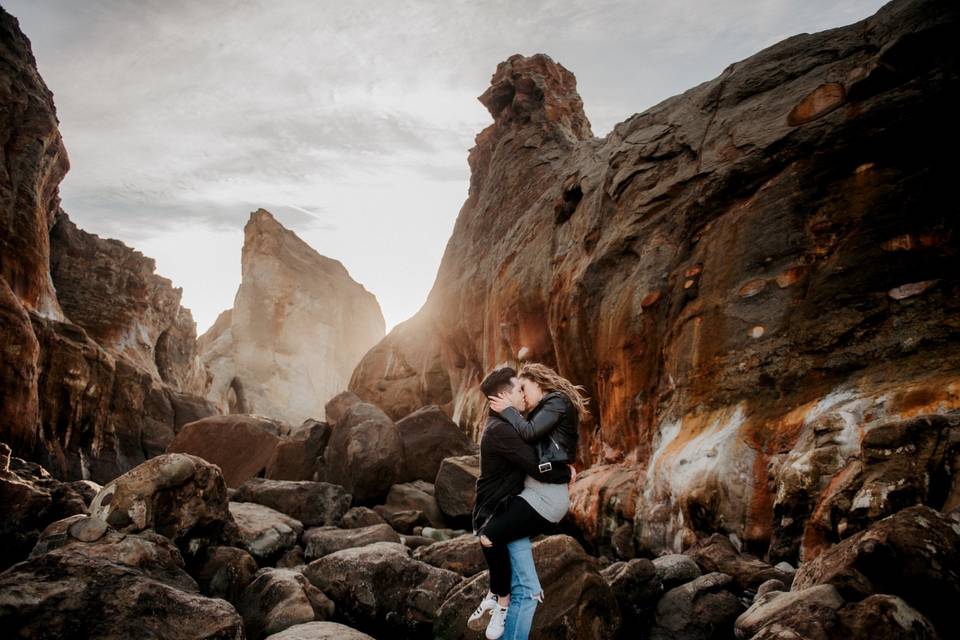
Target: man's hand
{"type": "Point", "coordinates": [573, 474]}
{"type": "Point", "coordinates": [498, 403]}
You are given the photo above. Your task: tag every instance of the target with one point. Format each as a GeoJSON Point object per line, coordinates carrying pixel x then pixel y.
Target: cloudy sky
{"type": "Point", "coordinates": [350, 121]}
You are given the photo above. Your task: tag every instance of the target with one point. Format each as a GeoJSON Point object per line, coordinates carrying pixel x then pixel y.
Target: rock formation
{"type": "Point", "coordinates": [749, 278]}
{"type": "Point", "coordinates": [298, 327]}
{"type": "Point", "coordinates": [112, 292]}
{"type": "Point", "coordinates": [88, 389]}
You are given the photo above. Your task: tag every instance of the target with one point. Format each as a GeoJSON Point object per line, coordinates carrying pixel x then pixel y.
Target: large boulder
{"type": "Point", "coordinates": [116, 587]}
{"type": "Point", "coordinates": [312, 503]}
{"type": "Point", "coordinates": [704, 609]}
{"type": "Point", "coordinates": [298, 327]}
{"type": "Point", "coordinates": [365, 453]}
{"type": "Point", "coordinates": [321, 541]}
{"type": "Point", "coordinates": [179, 496]}
{"type": "Point", "coordinates": [462, 555]}
{"type": "Point", "coordinates": [240, 445]}
{"type": "Point", "coordinates": [913, 554]}
{"type": "Point", "coordinates": [267, 534]}
{"type": "Point", "coordinates": [380, 590]}
{"type": "Point", "coordinates": [577, 603]}
{"type": "Point", "coordinates": [300, 456]}
{"type": "Point", "coordinates": [429, 436]}
{"type": "Point", "coordinates": [280, 598]}
{"type": "Point", "coordinates": [456, 486]}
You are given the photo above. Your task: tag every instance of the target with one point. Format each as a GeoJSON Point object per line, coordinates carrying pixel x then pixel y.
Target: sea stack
{"type": "Point", "coordinates": [298, 327]}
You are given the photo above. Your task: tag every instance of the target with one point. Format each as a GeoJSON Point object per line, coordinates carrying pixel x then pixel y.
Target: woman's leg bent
{"type": "Point", "coordinates": [516, 520]}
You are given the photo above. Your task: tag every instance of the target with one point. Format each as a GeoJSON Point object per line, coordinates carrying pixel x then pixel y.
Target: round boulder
{"type": "Point", "coordinates": [365, 453]}
{"type": "Point", "coordinates": [429, 436]}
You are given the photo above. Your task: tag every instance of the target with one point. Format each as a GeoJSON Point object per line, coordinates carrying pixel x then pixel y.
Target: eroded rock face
{"type": "Point", "coordinates": [726, 273]}
{"type": "Point", "coordinates": [112, 292]}
{"type": "Point", "coordinates": [298, 327]}
{"type": "Point", "coordinates": [84, 407]}
{"type": "Point", "coordinates": [34, 163]}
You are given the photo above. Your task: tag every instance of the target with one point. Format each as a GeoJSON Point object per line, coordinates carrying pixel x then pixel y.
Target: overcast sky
{"type": "Point", "coordinates": [350, 121]}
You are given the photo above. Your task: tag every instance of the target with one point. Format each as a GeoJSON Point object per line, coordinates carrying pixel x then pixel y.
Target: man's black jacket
{"type": "Point", "coordinates": [505, 459]}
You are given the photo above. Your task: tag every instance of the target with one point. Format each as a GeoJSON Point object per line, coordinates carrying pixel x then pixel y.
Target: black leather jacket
{"type": "Point", "coordinates": [552, 425]}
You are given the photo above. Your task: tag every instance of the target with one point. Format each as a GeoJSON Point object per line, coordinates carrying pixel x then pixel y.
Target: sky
{"type": "Point", "coordinates": [349, 121]}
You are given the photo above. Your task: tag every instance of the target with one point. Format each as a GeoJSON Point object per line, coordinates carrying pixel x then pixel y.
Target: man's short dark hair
{"type": "Point", "coordinates": [498, 381]}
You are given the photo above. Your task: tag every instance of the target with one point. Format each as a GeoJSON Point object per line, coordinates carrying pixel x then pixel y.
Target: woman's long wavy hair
{"type": "Point", "coordinates": [549, 380]}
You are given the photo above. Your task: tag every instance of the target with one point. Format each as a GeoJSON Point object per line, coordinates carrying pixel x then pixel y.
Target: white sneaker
{"type": "Point", "coordinates": [479, 618]}
{"type": "Point", "coordinates": [497, 621]}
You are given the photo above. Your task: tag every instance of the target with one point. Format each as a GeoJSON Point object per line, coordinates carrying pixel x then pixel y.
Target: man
{"type": "Point", "coordinates": [505, 460]}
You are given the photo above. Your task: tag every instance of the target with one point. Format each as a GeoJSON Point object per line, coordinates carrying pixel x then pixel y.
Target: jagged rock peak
{"type": "Point", "coordinates": [536, 89]}
{"type": "Point", "coordinates": [263, 234]}
{"type": "Point", "coordinates": [298, 327]}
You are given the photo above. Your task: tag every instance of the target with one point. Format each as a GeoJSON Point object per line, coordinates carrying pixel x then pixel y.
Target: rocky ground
{"type": "Point", "coordinates": [360, 545]}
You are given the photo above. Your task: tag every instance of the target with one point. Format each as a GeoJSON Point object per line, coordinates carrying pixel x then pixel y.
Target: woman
{"type": "Point", "coordinates": [554, 408]}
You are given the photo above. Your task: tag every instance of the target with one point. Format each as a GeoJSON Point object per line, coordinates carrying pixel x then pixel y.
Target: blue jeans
{"type": "Point", "coordinates": [525, 591]}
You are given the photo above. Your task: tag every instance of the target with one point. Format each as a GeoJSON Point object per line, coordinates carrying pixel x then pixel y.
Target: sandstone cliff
{"type": "Point", "coordinates": [756, 280]}
{"type": "Point", "coordinates": [99, 358]}
{"type": "Point", "coordinates": [298, 327]}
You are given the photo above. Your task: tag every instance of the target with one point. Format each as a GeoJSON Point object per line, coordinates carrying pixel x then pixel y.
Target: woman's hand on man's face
{"type": "Point", "coordinates": [498, 403]}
